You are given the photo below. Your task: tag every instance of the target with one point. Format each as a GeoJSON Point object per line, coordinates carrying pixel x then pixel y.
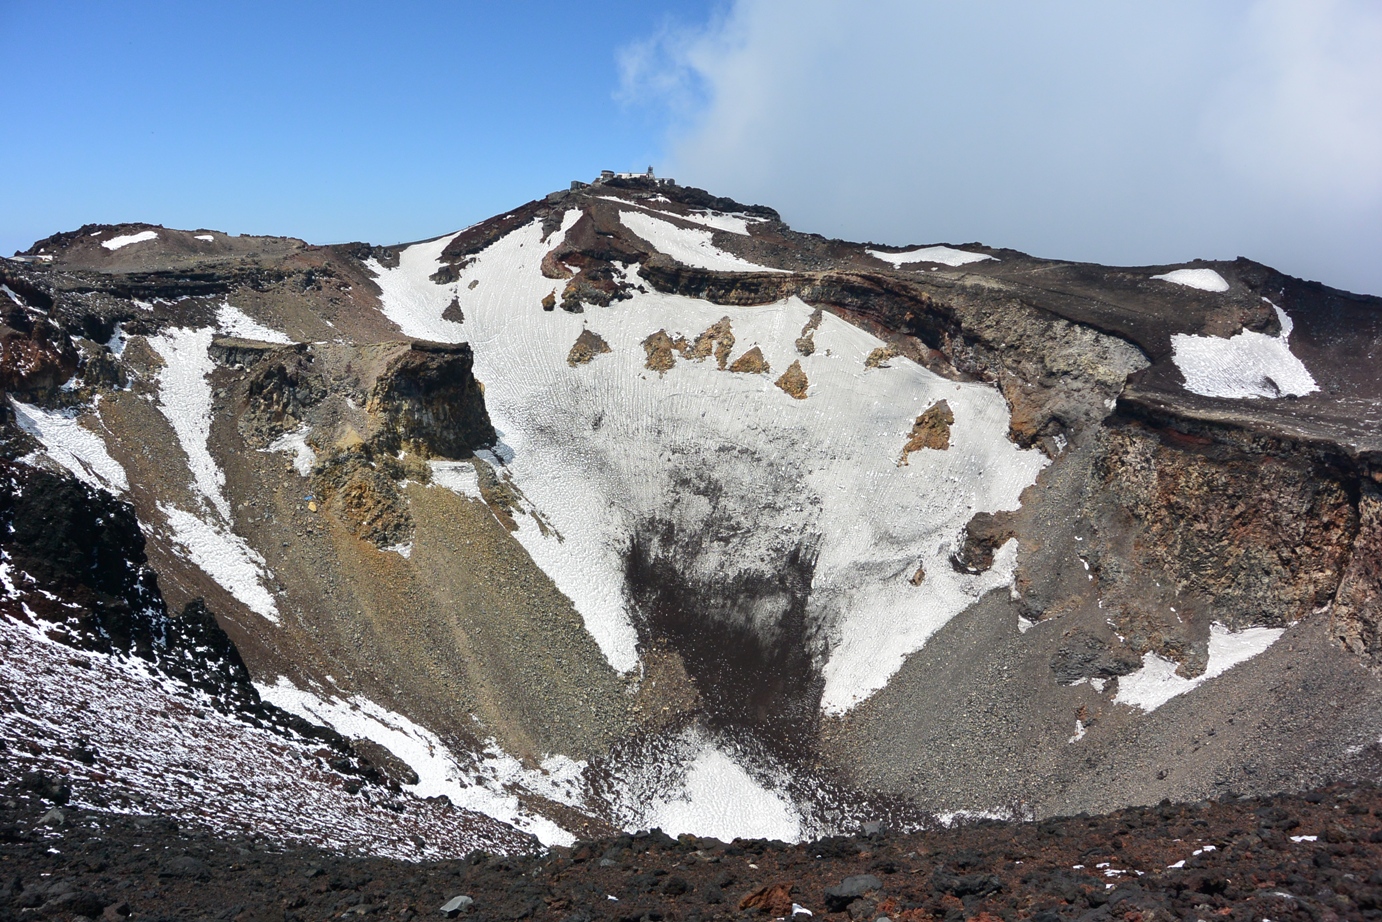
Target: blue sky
{"type": "Point", "coordinates": [1128, 133]}
{"type": "Point", "coordinates": [328, 121]}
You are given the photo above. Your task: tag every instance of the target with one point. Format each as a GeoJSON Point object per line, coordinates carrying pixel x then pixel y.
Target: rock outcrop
{"type": "Point", "coordinates": [430, 403]}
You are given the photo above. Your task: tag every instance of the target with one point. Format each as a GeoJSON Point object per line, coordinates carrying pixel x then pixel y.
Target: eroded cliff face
{"type": "Point", "coordinates": [1244, 531]}
{"type": "Point", "coordinates": [632, 497]}
{"type": "Point", "coordinates": [1356, 612]}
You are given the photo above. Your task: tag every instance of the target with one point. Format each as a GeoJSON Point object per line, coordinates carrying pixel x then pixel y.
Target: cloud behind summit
{"type": "Point", "coordinates": [1118, 133]}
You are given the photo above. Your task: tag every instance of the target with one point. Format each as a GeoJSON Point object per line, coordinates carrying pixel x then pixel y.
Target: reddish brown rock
{"type": "Point", "coordinates": [878, 358]}
{"type": "Point", "coordinates": [588, 345]}
{"type": "Point", "coordinates": [774, 899]}
{"type": "Point", "coordinates": [751, 362]}
{"type": "Point", "coordinates": [931, 430]}
{"type": "Point", "coordinates": [793, 381]}
{"type": "Point", "coordinates": [717, 339]}
{"type": "Point", "coordinates": [660, 349]}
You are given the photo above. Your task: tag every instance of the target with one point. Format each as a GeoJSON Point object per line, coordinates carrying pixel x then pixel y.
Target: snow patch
{"type": "Point", "coordinates": [687, 245]}
{"type": "Point", "coordinates": [962, 817]}
{"type": "Point", "coordinates": [483, 784]}
{"type": "Point", "coordinates": [116, 343]}
{"type": "Point", "coordinates": [1248, 364]}
{"type": "Point", "coordinates": [234, 322]}
{"type": "Point", "coordinates": [184, 399]}
{"type": "Point", "coordinates": [1157, 682]}
{"type": "Point", "coordinates": [206, 237]}
{"type": "Point", "coordinates": [1203, 279]}
{"type": "Point", "coordinates": [296, 443]}
{"type": "Point", "coordinates": [456, 476]}
{"type": "Point", "coordinates": [946, 256]}
{"type": "Point", "coordinates": [701, 789]}
{"type": "Point", "coordinates": [72, 445]}
{"type": "Point", "coordinates": [732, 223]}
{"type": "Point", "coordinates": [115, 243]}
{"type": "Point", "coordinates": [225, 557]}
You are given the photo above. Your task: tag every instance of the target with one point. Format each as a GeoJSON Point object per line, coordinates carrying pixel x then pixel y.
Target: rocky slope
{"type": "Point", "coordinates": [1288, 857]}
{"type": "Point", "coordinates": [634, 507]}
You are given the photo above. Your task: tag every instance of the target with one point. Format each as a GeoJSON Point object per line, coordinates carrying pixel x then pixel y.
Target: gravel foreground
{"type": "Point", "coordinates": [1316, 856]}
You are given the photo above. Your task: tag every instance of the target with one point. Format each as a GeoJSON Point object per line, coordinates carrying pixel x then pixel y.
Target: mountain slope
{"type": "Point", "coordinates": [635, 507]}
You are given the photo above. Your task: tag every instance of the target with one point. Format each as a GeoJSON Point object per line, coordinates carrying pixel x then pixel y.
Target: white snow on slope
{"type": "Point", "coordinates": [207, 237]}
{"type": "Point", "coordinates": [168, 744]}
{"type": "Point", "coordinates": [72, 445]}
{"type": "Point", "coordinates": [608, 447]}
{"type": "Point", "coordinates": [115, 243]}
{"type": "Point", "coordinates": [696, 787]}
{"type": "Point", "coordinates": [184, 399]}
{"type": "Point", "coordinates": [481, 786]}
{"type": "Point", "coordinates": [716, 220]}
{"type": "Point", "coordinates": [296, 443]}
{"type": "Point", "coordinates": [117, 341]}
{"type": "Point", "coordinates": [733, 223]}
{"type": "Point", "coordinates": [234, 322]}
{"type": "Point", "coordinates": [225, 557]}
{"type": "Point", "coordinates": [1157, 683]}
{"type": "Point", "coordinates": [687, 245]}
{"type": "Point", "coordinates": [1247, 364]}
{"type": "Point", "coordinates": [456, 476]}
{"type": "Point", "coordinates": [946, 256]}
{"type": "Point", "coordinates": [1203, 279]}
{"type": "Point", "coordinates": [409, 297]}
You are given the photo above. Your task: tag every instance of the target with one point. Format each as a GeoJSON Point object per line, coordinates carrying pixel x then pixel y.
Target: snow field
{"type": "Point", "coordinates": [1157, 682]}
{"type": "Point", "coordinates": [184, 399]}
{"type": "Point", "coordinates": [946, 256]}
{"type": "Point", "coordinates": [603, 448]}
{"type": "Point", "coordinates": [225, 557]}
{"type": "Point", "coordinates": [715, 220]}
{"type": "Point", "coordinates": [698, 788]}
{"type": "Point", "coordinates": [1247, 364]}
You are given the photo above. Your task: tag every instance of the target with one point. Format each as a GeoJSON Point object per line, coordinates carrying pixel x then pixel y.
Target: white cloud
{"type": "Point", "coordinates": [1122, 133]}
{"type": "Point", "coordinates": [1302, 109]}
